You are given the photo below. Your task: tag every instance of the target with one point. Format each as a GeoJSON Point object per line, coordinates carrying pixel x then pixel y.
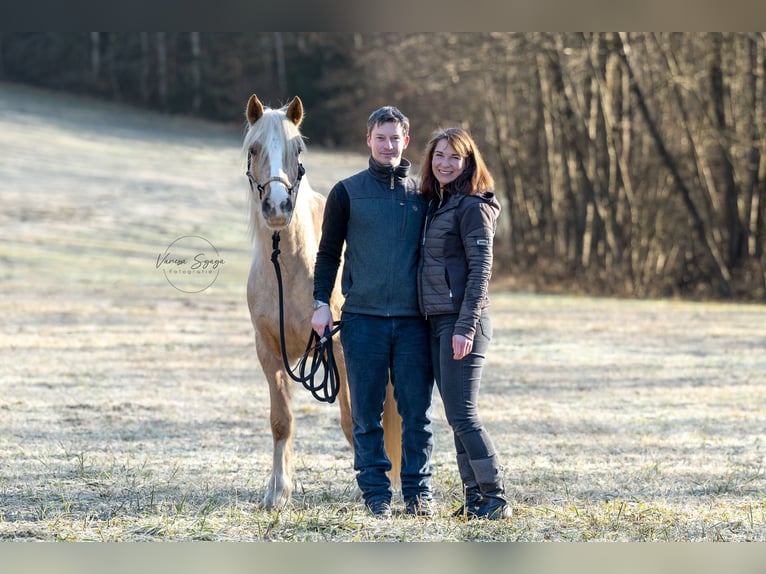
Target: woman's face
{"type": "Point", "coordinates": [446, 163]}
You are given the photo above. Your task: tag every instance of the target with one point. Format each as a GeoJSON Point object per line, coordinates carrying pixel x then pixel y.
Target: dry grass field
{"type": "Point", "coordinates": [132, 411]}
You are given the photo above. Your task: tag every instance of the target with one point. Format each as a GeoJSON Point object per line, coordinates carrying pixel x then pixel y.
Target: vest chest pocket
{"type": "Point", "coordinates": [411, 215]}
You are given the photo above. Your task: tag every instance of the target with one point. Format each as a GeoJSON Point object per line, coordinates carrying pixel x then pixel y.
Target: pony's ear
{"type": "Point", "coordinates": [295, 111]}
{"type": "Point", "coordinates": [254, 109]}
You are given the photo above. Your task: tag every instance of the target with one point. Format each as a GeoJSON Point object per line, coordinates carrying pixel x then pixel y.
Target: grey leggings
{"type": "Point", "coordinates": [459, 381]}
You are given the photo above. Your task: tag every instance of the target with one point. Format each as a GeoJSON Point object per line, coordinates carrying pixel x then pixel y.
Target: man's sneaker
{"type": "Point", "coordinates": [379, 508]}
{"type": "Point", "coordinates": [420, 507]}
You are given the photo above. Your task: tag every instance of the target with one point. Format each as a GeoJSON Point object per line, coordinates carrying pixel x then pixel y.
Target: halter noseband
{"type": "Point", "coordinates": [262, 186]}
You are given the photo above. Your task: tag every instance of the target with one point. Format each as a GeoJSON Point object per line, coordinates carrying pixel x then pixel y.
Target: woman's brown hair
{"type": "Point", "coordinates": [475, 178]}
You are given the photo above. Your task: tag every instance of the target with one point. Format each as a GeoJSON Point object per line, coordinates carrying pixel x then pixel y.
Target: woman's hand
{"type": "Point", "coordinates": [461, 346]}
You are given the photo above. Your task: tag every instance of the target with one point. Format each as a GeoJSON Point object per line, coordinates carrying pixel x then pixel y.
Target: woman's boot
{"type": "Point", "coordinates": [488, 473]}
{"type": "Point", "coordinates": [472, 494]}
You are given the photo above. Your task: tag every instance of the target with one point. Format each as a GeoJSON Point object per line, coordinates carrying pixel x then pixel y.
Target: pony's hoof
{"type": "Point", "coordinates": [276, 498]}
{"type": "Point", "coordinates": [274, 502]}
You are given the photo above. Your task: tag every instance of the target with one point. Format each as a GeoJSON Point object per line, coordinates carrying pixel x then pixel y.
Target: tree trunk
{"type": "Point", "coordinates": [162, 70]}
{"type": "Point", "coordinates": [734, 229]}
{"type": "Point", "coordinates": [95, 56]}
{"type": "Point", "coordinates": [279, 54]}
{"type": "Point", "coordinates": [143, 80]}
{"type": "Point", "coordinates": [754, 81]}
{"type": "Point", "coordinates": [552, 164]}
{"type": "Point", "coordinates": [196, 72]}
{"type": "Point", "coordinates": [111, 65]}
{"type": "Point", "coordinates": [587, 219]}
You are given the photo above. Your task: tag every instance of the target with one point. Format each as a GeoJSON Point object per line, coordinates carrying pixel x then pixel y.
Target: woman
{"type": "Point", "coordinates": [455, 267]}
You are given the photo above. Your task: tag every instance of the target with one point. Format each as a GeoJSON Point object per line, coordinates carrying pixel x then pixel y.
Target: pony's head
{"type": "Point", "coordinates": [273, 145]}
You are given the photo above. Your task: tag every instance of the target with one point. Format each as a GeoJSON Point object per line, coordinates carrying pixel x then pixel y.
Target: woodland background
{"type": "Point", "coordinates": [628, 164]}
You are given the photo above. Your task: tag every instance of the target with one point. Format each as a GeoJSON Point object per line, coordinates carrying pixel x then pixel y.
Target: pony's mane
{"type": "Point", "coordinates": [272, 124]}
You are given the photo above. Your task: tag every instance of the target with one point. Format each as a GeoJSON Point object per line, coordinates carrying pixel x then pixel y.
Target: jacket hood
{"type": "Point", "coordinates": [488, 198]}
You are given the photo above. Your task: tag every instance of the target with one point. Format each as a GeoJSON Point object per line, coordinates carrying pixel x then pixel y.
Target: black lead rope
{"type": "Point", "coordinates": [320, 349]}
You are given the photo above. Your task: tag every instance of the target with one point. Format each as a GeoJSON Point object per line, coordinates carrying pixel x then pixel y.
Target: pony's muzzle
{"type": "Point", "coordinates": [277, 215]}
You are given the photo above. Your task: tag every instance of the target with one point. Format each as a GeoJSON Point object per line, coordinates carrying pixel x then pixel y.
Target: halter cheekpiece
{"type": "Point", "coordinates": [262, 186]}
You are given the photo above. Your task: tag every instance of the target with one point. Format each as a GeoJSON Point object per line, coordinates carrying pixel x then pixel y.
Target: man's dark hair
{"type": "Point", "coordinates": [388, 114]}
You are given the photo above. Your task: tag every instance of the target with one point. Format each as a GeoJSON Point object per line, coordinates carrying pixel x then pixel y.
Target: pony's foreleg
{"type": "Point", "coordinates": [280, 484]}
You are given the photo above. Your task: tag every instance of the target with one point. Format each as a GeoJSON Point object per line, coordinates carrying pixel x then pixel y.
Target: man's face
{"type": "Point", "coordinates": [387, 142]}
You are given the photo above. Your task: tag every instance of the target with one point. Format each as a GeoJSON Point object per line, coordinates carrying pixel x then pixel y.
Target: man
{"type": "Point", "coordinates": [379, 215]}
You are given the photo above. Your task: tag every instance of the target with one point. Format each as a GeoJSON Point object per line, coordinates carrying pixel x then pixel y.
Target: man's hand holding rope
{"type": "Point", "coordinates": [322, 320]}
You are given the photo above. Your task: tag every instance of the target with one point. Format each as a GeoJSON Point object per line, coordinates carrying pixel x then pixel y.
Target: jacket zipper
{"type": "Point", "coordinates": [426, 222]}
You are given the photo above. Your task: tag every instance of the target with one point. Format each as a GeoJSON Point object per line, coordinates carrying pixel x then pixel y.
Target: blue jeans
{"type": "Point", "coordinates": [375, 349]}
{"type": "Point", "coordinates": [459, 383]}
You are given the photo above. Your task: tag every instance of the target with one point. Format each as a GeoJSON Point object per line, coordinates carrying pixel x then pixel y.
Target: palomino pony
{"type": "Point", "coordinates": [282, 201]}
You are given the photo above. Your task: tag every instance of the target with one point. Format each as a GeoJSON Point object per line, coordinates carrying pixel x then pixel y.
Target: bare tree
{"type": "Point", "coordinates": [698, 224]}
{"type": "Point", "coordinates": [95, 55]}
{"type": "Point", "coordinates": [196, 71]}
{"type": "Point", "coordinates": [162, 69]}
